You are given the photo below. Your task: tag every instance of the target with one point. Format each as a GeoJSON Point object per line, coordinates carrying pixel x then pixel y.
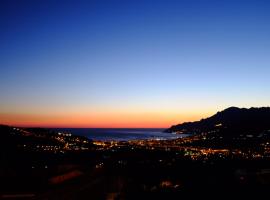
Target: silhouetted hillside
{"type": "Point", "coordinates": [232, 120]}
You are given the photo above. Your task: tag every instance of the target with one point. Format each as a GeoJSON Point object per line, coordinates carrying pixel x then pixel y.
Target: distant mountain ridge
{"type": "Point", "coordinates": [234, 120]}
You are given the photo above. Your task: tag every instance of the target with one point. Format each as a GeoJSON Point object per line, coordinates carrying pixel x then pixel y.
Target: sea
{"type": "Point", "coordinates": [121, 134]}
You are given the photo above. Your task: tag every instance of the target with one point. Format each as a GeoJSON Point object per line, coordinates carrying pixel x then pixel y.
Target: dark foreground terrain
{"type": "Point", "coordinates": [38, 164]}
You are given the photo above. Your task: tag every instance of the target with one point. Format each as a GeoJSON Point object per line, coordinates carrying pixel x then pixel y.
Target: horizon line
{"type": "Point", "coordinates": [51, 127]}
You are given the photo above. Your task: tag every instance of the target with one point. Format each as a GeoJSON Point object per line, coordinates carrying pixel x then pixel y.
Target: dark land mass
{"type": "Point", "coordinates": [231, 121]}
{"type": "Point", "coordinates": [228, 155]}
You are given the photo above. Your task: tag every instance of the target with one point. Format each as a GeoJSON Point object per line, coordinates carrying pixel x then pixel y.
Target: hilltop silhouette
{"type": "Point", "coordinates": [232, 120]}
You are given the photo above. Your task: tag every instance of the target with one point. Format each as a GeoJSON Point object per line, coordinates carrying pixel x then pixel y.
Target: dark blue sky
{"type": "Point", "coordinates": [171, 60]}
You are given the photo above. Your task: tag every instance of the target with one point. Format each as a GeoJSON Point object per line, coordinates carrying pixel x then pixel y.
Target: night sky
{"type": "Point", "coordinates": [131, 63]}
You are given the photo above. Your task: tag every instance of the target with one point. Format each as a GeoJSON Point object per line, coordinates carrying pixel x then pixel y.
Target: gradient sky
{"type": "Point", "coordinates": [131, 63]}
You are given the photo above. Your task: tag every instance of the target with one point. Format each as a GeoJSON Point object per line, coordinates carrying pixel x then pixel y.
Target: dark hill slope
{"type": "Point", "coordinates": [233, 119]}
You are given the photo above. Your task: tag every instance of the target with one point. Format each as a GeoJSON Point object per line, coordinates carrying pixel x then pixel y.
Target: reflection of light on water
{"type": "Point", "coordinates": [124, 134]}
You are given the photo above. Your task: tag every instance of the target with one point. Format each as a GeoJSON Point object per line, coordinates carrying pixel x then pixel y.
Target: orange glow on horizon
{"type": "Point", "coordinates": [98, 120]}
